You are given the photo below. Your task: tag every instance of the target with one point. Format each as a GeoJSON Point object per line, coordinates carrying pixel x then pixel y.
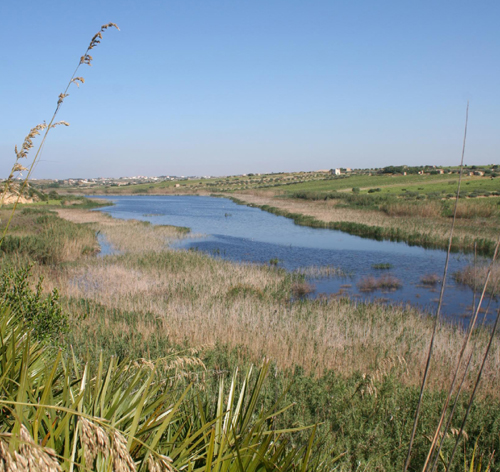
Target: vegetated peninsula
{"type": "Point", "coordinates": [151, 312]}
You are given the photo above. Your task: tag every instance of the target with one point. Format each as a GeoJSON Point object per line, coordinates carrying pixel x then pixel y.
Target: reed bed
{"type": "Point", "coordinates": [187, 296]}
{"type": "Point", "coordinates": [431, 231]}
{"type": "Point", "coordinates": [430, 279]}
{"type": "Point", "coordinates": [385, 282]}
{"type": "Point", "coordinates": [475, 277]}
{"type": "Point", "coordinates": [127, 236]}
{"type": "Point", "coordinates": [42, 236]}
{"type": "Point", "coordinates": [428, 209]}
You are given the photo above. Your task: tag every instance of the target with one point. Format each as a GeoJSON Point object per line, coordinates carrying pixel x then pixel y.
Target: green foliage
{"type": "Point", "coordinates": [50, 239]}
{"type": "Point", "coordinates": [53, 195]}
{"type": "Point", "coordinates": [132, 415]}
{"type": "Point", "coordinates": [42, 313]}
{"type": "Point", "coordinates": [367, 417]}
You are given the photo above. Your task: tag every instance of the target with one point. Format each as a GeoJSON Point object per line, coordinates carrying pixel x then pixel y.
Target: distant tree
{"type": "Point", "coordinates": [53, 195]}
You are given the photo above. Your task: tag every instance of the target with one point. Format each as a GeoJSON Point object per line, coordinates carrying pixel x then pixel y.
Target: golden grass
{"type": "Point", "coordinates": [472, 210]}
{"type": "Point", "coordinates": [430, 209]}
{"type": "Point", "coordinates": [475, 277]}
{"type": "Point", "coordinates": [127, 235]}
{"type": "Point", "coordinates": [203, 300]}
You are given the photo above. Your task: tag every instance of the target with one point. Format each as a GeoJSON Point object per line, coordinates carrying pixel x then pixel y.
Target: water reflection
{"type": "Point", "coordinates": [241, 233]}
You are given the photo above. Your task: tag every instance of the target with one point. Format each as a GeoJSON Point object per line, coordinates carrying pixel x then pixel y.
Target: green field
{"type": "Point", "coordinates": [398, 185]}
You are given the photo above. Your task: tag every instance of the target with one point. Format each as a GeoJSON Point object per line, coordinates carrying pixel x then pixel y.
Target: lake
{"type": "Point", "coordinates": [245, 234]}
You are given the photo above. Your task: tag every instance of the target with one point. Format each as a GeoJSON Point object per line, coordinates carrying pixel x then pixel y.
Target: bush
{"type": "Point", "coordinates": [42, 313]}
{"type": "Point", "coordinates": [53, 195]}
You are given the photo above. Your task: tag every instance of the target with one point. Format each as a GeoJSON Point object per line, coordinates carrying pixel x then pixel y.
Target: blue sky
{"type": "Point", "coordinates": [213, 87]}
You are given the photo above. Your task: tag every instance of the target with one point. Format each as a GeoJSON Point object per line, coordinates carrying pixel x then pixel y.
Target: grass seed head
{"type": "Point", "coordinates": [77, 81]}
{"type": "Point", "coordinates": [95, 440]}
{"type": "Point", "coordinates": [122, 461]}
{"type": "Point", "coordinates": [33, 458]}
{"type": "Point", "coordinates": [7, 462]}
{"type": "Point", "coordinates": [159, 464]}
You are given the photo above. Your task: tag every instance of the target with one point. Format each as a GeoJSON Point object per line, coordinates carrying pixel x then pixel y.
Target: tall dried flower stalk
{"type": "Point", "coordinates": [10, 185]}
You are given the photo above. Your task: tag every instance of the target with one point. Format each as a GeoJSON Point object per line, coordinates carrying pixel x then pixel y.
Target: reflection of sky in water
{"type": "Point", "coordinates": [106, 248]}
{"type": "Point", "coordinates": [241, 233]}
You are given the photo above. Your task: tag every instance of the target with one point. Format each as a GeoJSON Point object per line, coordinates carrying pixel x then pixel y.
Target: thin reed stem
{"type": "Point", "coordinates": [470, 329]}
{"type": "Point", "coordinates": [441, 295]}
{"type": "Point", "coordinates": [478, 379]}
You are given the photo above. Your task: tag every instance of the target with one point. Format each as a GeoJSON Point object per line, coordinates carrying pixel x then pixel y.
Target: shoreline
{"type": "Point", "coordinates": [383, 228]}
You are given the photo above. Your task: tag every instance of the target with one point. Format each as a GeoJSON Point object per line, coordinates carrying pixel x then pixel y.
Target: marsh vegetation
{"type": "Point", "coordinates": [348, 364]}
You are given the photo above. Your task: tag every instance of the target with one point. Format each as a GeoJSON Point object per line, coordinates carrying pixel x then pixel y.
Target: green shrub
{"type": "Point", "coordinates": [42, 313]}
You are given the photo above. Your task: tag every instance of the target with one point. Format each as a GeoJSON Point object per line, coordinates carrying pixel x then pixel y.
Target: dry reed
{"type": "Point", "coordinates": [203, 300]}
{"type": "Point", "coordinates": [475, 276]}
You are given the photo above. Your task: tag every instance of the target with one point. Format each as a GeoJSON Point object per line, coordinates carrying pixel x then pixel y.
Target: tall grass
{"type": "Point", "coordinates": [47, 239]}
{"type": "Point", "coordinates": [147, 303]}
{"type": "Point", "coordinates": [139, 297]}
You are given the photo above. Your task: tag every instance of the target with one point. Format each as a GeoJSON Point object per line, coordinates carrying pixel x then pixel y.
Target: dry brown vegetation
{"type": "Point", "coordinates": [430, 209]}
{"type": "Point", "coordinates": [470, 210]}
{"type": "Point", "coordinates": [475, 277]}
{"type": "Point", "coordinates": [430, 279]}
{"type": "Point", "coordinates": [128, 236]}
{"type": "Point", "coordinates": [384, 282]}
{"type": "Point", "coordinates": [190, 296]}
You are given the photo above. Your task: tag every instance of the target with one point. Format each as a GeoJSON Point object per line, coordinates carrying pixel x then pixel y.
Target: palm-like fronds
{"type": "Point", "coordinates": [128, 416]}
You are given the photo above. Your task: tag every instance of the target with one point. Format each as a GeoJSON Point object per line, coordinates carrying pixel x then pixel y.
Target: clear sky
{"type": "Point", "coordinates": [214, 87]}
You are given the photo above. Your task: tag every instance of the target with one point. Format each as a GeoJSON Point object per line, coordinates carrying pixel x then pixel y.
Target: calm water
{"type": "Point", "coordinates": [241, 233]}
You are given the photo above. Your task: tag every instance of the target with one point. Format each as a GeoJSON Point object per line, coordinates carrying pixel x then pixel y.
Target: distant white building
{"type": "Point", "coordinates": [336, 172]}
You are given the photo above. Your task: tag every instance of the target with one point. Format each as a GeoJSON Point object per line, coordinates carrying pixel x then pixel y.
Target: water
{"type": "Point", "coordinates": [241, 233]}
{"type": "Point", "coordinates": [106, 248]}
